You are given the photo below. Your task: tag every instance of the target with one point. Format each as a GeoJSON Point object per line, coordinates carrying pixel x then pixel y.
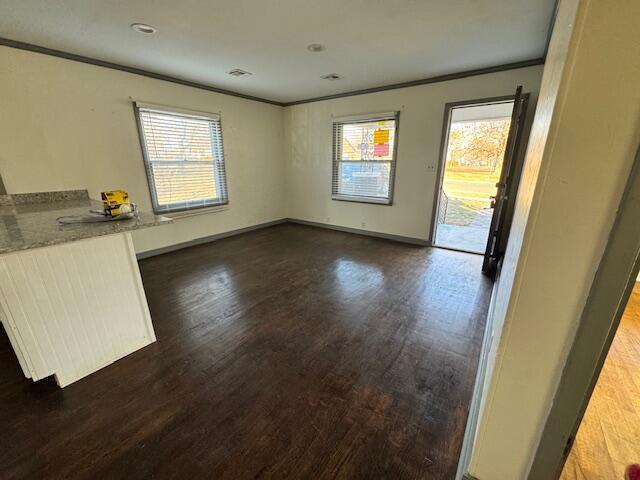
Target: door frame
{"type": "Point", "coordinates": [444, 141]}
{"type": "Point", "coordinates": [612, 285]}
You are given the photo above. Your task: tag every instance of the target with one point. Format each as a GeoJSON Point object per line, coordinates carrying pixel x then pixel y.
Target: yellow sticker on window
{"type": "Point", "coordinates": [381, 136]}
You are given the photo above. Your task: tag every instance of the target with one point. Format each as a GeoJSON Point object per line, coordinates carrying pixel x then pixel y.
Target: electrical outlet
{"type": "Point", "coordinates": [364, 225]}
{"type": "Point", "coordinates": [431, 168]}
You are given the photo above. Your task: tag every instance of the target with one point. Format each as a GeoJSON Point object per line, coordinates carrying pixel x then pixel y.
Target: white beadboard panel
{"type": "Point", "coordinates": [15, 344]}
{"type": "Point", "coordinates": [71, 309]}
{"type": "Point", "coordinates": [138, 292]}
{"type": "Point", "coordinates": [16, 311]}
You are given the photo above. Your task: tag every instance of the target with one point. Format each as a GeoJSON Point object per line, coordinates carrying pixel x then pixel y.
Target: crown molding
{"type": "Point", "coordinates": [123, 68]}
{"type": "Point", "coordinates": [167, 78]}
{"type": "Point", "coordinates": [425, 81]}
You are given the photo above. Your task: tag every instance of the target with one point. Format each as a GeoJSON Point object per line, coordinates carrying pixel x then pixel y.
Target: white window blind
{"type": "Point", "coordinates": [184, 158]}
{"type": "Point", "coordinates": [364, 158]}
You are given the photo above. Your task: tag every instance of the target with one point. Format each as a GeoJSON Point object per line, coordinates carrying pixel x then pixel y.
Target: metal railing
{"type": "Point", "coordinates": [442, 207]}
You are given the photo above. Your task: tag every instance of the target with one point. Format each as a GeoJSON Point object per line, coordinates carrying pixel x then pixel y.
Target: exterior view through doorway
{"type": "Point", "coordinates": [473, 151]}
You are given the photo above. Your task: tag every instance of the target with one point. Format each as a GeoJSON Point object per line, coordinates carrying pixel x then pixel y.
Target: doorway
{"type": "Point", "coordinates": [474, 142]}
{"type": "Point", "coordinates": [608, 439]}
{"type": "Point", "coordinates": [611, 298]}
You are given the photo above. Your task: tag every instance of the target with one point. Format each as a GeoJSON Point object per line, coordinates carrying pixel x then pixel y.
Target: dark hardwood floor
{"type": "Point", "coordinates": [288, 352]}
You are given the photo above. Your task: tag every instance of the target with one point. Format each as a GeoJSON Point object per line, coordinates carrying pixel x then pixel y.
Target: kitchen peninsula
{"type": "Point", "coordinates": [71, 296]}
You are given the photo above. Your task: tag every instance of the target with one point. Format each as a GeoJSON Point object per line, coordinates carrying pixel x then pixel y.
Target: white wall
{"type": "Point", "coordinates": [583, 142]}
{"type": "Point", "coordinates": [308, 150]}
{"type": "Point", "coordinates": [69, 125]}
{"type": "Point", "coordinates": [66, 125]}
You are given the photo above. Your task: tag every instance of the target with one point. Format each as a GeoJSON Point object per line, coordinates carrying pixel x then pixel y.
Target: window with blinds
{"type": "Point", "coordinates": [364, 158]}
{"type": "Point", "coordinates": [184, 158]}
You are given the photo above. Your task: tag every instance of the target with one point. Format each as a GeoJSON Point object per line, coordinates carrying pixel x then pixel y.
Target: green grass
{"type": "Point", "coordinates": [475, 176]}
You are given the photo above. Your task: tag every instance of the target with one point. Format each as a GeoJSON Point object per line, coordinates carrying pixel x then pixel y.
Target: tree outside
{"type": "Point", "coordinates": [475, 153]}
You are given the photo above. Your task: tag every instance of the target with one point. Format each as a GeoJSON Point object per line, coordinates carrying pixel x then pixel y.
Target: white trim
{"type": "Point", "coordinates": [362, 199]}
{"type": "Point", "coordinates": [177, 110]}
{"type": "Point", "coordinates": [196, 211]}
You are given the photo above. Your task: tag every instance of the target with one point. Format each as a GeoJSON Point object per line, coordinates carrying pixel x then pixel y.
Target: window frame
{"type": "Point", "coordinates": [336, 149]}
{"type": "Point", "coordinates": [221, 183]}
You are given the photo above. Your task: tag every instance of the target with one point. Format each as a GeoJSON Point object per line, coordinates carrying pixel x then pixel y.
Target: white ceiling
{"type": "Point", "coordinates": [370, 43]}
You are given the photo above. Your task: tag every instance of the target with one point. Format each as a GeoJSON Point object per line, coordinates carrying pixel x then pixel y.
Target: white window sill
{"type": "Point", "coordinates": [194, 212]}
{"type": "Point", "coordinates": [374, 200]}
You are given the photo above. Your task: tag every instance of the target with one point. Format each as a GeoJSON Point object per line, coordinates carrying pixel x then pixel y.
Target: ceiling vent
{"type": "Point", "coordinates": [316, 47]}
{"type": "Point", "coordinates": [331, 76]}
{"type": "Point", "coordinates": [143, 28]}
{"type": "Point", "coordinates": [238, 72]}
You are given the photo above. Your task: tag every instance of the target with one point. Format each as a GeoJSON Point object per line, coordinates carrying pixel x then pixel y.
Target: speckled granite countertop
{"type": "Point", "coordinates": [29, 220]}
